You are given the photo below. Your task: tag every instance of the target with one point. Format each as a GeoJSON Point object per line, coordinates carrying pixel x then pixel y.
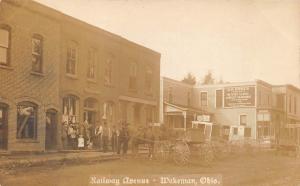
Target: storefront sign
{"type": "Point", "coordinates": [241, 96]}
{"type": "Point", "coordinates": [205, 118]}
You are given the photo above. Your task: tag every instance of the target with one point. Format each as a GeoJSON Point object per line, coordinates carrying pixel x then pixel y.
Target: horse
{"type": "Point", "coordinates": [143, 136]}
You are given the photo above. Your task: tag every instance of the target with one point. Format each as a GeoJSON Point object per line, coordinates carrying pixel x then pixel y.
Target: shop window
{"type": "Point", "coordinates": [71, 58]}
{"type": "Point", "coordinates": [148, 79]}
{"type": "Point", "coordinates": [203, 98]}
{"type": "Point", "coordinates": [108, 113]}
{"type": "Point", "coordinates": [70, 108]}
{"type": "Point", "coordinates": [27, 120]}
{"type": "Point", "coordinates": [4, 44]}
{"type": "Point", "coordinates": [108, 72]}
{"type": "Point", "coordinates": [37, 53]}
{"type": "Point", "coordinates": [235, 131]}
{"type": "Point", "coordinates": [219, 98]}
{"type": "Point", "coordinates": [247, 132]}
{"type": "Point", "coordinates": [243, 120]}
{"type": "Point", "coordinates": [91, 70]}
{"type": "Point", "coordinates": [133, 76]}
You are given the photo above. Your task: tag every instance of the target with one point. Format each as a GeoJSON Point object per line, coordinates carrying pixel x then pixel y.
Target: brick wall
{"type": "Point", "coordinates": [18, 83]}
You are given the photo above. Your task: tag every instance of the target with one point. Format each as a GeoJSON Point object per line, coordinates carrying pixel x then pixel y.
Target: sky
{"type": "Point", "coordinates": [237, 40]}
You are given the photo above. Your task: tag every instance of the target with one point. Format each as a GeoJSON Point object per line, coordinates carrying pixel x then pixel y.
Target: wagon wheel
{"type": "Point", "coordinates": [181, 153]}
{"type": "Point", "coordinates": [162, 150]}
{"type": "Point", "coordinates": [207, 154]}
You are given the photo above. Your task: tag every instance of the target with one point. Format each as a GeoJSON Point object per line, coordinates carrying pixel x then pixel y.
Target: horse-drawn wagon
{"type": "Point", "coordinates": [192, 144]}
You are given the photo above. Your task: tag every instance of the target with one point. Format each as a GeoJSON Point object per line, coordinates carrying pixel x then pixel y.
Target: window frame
{"type": "Point", "coordinates": [108, 71]}
{"type": "Point", "coordinates": [38, 56]}
{"type": "Point", "coordinates": [92, 58]}
{"type": "Point", "coordinates": [246, 115]}
{"type": "Point", "coordinates": [72, 46]}
{"type": "Point", "coordinates": [8, 49]}
{"type": "Point", "coordinates": [19, 135]}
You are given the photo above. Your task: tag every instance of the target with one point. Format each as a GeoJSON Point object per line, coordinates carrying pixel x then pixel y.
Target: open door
{"type": "Point", "coordinates": [51, 130]}
{"type": "Point", "coordinates": [3, 126]}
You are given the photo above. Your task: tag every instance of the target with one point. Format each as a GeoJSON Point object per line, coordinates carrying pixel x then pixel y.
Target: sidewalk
{"type": "Point", "coordinates": [57, 158]}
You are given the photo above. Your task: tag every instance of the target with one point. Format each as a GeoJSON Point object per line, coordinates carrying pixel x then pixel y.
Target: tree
{"type": "Point", "coordinates": [189, 79]}
{"type": "Point", "coordinates": [208, 79]}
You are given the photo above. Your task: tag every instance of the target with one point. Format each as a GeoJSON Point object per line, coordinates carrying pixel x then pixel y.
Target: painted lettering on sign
{"type": "Point", "coordinates": [241, 96]}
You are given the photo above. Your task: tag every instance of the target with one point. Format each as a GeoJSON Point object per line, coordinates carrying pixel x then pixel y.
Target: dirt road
{"type": "Point", "coordinates": [261, 169]}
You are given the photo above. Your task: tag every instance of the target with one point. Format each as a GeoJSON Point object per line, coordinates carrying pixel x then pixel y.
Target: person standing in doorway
{"type": "Point", "coordinates": [105, 136]}
{"type": "Point", "coordinates": [124, 138]}
{"type": "Point", "coordinates": [114, 139]}
{"type": "Point", "coordinates": [98, 135]}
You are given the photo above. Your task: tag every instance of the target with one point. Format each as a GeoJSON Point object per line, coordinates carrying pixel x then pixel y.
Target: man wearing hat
{"type": "Point", "coordinates": [124, 138]}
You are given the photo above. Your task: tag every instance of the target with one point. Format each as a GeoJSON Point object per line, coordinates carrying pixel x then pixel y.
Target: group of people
{"type": "Point", "coordinates": [101, 137]}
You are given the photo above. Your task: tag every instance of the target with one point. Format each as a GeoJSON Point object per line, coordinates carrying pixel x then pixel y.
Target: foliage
{"type": "Point", "coordinates": [189, 79]}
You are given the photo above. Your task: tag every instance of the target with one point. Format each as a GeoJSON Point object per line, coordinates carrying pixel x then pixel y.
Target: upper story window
{"type": "Point", "coordinates": [4, 44]}
{"type": "Point", "coordinates": [108, 72]}
{"type": "Point", "coordinates": [148, 79]}
{"type": "Point", "coordinates": [133, 76]}
{"type": "Point", "coordinates": [219, 98]}
{"type": "Point", "coordinates": [91, 70]}
{"type": "Point", "coordinates": [203, 99]}
{"type": "Point", "coordinates": [243, 120]}
{"type": "Point", "coordinates": [72, 57]}
{"type": "Point", "coordinates": [37, 53]}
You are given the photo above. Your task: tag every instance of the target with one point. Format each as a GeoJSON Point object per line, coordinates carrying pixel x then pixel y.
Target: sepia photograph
{"type": "Point", "coordinates": [149, 92]}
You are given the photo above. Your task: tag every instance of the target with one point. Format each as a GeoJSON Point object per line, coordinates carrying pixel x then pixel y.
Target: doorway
{"type": "Point", "coordinates": [51, 130]}
{"type": "Point", "coordinates": [3, 126]}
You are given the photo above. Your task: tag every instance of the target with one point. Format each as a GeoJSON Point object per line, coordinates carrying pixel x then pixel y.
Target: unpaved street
{"type": "Point", "coordinates": [262, 169]}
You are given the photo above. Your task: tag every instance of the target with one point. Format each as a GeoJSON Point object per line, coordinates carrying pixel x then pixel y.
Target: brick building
{"type": "Point", "coordinates": [56, 68]}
